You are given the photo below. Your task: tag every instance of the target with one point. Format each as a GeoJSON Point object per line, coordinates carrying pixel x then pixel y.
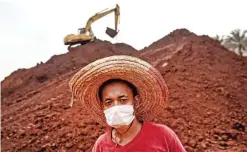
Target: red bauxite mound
{"type": "Point", "coordinates": [26, 80]}
{"type": "Point", "coordinates": [208, 90]}
{"type": "Point", "coordinates": [207, 95]}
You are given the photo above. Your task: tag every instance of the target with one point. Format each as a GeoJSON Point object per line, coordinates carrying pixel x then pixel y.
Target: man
{"type": "Point", "coordinates": [126, 94]}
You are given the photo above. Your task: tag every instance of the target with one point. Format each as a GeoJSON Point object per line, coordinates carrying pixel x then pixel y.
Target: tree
{"type": "Point", "coordinates": [237, 40]}
{"type": "Point", "coordinates": [220, 39]}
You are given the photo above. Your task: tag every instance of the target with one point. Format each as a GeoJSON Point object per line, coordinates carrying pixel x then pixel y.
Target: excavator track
{"type": "Point", "coordinates": [72, 45]}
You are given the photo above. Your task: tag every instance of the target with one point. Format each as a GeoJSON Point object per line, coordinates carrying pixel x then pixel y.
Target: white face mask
{"type": "Point", "coordinates": [119, 115]}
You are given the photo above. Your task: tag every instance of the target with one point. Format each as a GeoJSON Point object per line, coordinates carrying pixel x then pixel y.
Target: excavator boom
{"type": "Point", "coordinates": [86, 35]}
{"type": "Point", "coordinates": [102, 14]}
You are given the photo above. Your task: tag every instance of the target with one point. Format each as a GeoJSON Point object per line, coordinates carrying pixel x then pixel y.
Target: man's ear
{"type": "Point", "coordinates": [136, 98]}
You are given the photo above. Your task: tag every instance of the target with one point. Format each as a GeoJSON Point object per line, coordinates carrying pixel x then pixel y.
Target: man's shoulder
{"type": "Point", "coordinates": [164, 132]}
{"type": "Point", "coordinates": [102, 139]}
{"type": "Point", "coordinates": [160, 128]}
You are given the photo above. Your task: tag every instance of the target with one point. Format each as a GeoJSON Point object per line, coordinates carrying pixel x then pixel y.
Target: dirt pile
{"type": "Point", "coordinates": [23, 81]}
{"type": "Point", "coordinates": [207, 86]}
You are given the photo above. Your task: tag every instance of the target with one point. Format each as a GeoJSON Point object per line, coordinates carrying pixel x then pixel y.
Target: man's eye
{"type": "Point", "coordinates": [108, 103]}
{"type": "Point", "coordinates": [123, 100]}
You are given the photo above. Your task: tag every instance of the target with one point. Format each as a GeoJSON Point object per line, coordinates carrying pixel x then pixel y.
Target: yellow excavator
{"type": "Point", "coordinates": [85, 35]}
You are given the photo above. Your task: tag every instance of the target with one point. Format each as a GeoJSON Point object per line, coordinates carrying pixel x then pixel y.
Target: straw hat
{"type": "Point", "coordinates": [152, 90]}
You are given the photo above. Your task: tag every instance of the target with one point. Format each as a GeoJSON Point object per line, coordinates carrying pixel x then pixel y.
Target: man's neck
{"type": "Point", "coordinates": [133, 130]}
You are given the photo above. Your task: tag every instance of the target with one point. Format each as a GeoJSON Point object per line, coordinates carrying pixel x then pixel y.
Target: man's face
{"type": "Point", "coordinates": [116, 93]}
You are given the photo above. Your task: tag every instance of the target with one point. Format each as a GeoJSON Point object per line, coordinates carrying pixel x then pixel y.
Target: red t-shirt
{"type": "Point", "coordinates": [152, 137]}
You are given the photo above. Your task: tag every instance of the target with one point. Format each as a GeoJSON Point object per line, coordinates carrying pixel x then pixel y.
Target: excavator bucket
{"type": "Point", "coordinates": [111, 32]}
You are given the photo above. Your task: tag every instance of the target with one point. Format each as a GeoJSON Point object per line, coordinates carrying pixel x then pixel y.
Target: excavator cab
{"type": "Point", "coordinates": [81, 30]}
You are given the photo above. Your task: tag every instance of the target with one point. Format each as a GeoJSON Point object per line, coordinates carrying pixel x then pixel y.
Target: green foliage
{"type": "Point", "coordinates": [235, 41]}
{"type": "Point", "coordinates": [220, 39]}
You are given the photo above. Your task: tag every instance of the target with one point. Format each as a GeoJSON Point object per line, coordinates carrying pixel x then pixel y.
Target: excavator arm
{"type": "Point", "coordinates": [86, 35]}
{"type": "Point", "coordinates": [99, 15]}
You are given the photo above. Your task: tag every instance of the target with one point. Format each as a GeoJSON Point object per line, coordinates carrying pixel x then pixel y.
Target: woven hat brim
{"type": "Point", "coordinates": [152, 90]}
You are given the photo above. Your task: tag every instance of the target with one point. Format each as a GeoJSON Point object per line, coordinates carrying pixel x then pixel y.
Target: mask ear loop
{"type": "Point", "coordinates": [104, 122]}
{"type": "Point", "coordinates": [71, 101]}
{"type": "Point", "coordinates": [134, 113]}
{"type": "Point", "coordinates": [137, 100]}
{"type": "Point", "coordinates": [135, 104]}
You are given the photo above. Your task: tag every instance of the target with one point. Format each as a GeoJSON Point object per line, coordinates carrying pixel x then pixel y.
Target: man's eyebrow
{"type": "Point", "coordinates": [107, 99]}
{"type": "Point", "coordinates": [122, 96]}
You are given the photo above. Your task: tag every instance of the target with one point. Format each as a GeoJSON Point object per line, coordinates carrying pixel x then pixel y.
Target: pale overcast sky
{"type": "Point", "coordinates": [32, 31]}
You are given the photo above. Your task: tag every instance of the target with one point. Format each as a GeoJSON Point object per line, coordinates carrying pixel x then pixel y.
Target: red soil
{"type": "Point", "coordinates": [207, 95]}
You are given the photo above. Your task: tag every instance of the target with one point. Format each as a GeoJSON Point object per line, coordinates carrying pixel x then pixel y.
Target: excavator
{"type": "Point", "coordinates": [85, 35]}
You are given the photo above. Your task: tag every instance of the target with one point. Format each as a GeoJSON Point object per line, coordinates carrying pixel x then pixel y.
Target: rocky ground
{"type": "Point", "coordinates": [207, 97]}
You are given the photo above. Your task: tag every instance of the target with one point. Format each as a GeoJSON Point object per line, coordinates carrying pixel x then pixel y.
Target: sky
{"type": "Point", "coordinates": [33, 31]}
